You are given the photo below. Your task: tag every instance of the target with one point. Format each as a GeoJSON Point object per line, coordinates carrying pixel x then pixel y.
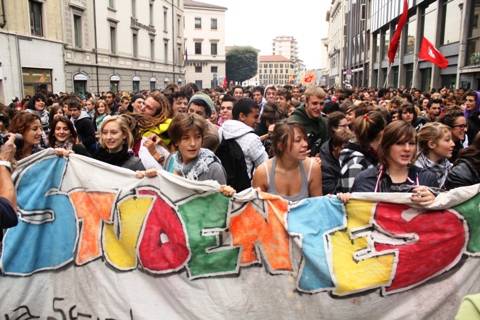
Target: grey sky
{"type": "Point", "coordinates": [257, 22]}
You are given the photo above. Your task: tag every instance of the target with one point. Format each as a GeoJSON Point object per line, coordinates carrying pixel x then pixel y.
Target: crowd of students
{"type": "Point", "coordinates": [292, 141]}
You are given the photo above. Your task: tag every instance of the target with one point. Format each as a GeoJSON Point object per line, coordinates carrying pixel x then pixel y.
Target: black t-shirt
{"type": "Point", "coordinates": [8, 216]}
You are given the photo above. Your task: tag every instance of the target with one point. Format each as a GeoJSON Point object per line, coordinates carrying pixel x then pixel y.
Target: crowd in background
{"type": "Point", "coordinates": [293, 141]}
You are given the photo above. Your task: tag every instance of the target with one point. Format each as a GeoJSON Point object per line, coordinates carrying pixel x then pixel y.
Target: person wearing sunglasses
{"type": "Point", "coordinates": [455, 119]}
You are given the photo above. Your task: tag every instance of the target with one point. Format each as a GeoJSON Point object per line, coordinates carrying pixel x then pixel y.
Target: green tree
{"type": "Point", "coordinates": [241, 63]}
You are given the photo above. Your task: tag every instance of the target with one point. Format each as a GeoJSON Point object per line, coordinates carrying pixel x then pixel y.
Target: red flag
{"type": "Point", "coordinates": [430, 53]}
{"type": "Point", "coordinates": [393, 47]}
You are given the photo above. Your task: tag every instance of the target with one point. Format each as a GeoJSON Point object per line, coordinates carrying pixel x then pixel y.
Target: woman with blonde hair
{"type": "Point", "coordinates": [115, 141]}
{"type": "Point", "coordinates": [101, 111]}
{"type": "Point", "coordinates": [435, 147]}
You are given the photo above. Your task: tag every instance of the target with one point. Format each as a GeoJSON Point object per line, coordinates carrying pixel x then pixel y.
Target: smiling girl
{"type": "Point", "coordinates": [115, 141]}
{"type": "Point", "coordinates": [29, 126]}
{"type": "Point", "coordinates": [436, 146]}
{"type": "Point", "coordinates": [395, 173]}
{"type": "Point", "coordinates": [191, 161]}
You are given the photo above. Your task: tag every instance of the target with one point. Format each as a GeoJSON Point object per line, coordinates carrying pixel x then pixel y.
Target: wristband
{"type": "Point", "coordinates": [6, 164]}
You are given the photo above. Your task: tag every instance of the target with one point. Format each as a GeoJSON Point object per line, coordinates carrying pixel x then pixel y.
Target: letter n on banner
{"type": "Point", "coordinates": [311, 220]}
{"type": "Point", "coordinates": [204, 219]}
{"type": "Point", "coordinates": [263, 229]}
{"type": "Point", "coordinates": [355, 264]}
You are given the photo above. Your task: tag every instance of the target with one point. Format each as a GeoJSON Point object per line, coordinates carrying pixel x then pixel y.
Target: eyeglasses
{"type": "Point", "coordinates": [343, 126]}
{"type": "Point", "coordinates": [461, 126]}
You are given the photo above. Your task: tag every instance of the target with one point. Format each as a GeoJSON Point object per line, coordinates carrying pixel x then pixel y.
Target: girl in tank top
{"type": "Point", "coordinates": [291, 174]}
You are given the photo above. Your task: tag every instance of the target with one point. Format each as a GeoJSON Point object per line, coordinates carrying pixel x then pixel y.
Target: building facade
{"type": "Point", "coordinates": [336, 41]}
{"type": "Point", "coordinates": [275, 70]}
{"type": "Point", "coordinates": [204, 44]}
{"type": "Point", "coordinates": [287, 46]}
{"type": "Point", "coordinates": [451, 25]}
{"type": "Point", "coordinates": [118, 45]}
{"type": "Point", "coordinates": [31, 48]}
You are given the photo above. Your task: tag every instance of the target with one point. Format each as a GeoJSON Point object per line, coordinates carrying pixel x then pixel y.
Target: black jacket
{"type": "Point", "coordinates": [367, 180]}
{"type": "Point", "coordinates": [473, 122]}
{"type": "Point", "coordinates": [462, 174]}
{"type": "Point", "coordinates": [8, 216]}
{"type": "Point", "coordinates": [330, 169]}
{"type": "Point", "coordinates": [86, 131]}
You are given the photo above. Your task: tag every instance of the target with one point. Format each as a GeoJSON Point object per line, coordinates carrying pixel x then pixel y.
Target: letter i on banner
{"type": "Point", "coordinates": [311, 220]}
{"type": "Point", "coordinates": [252, 229]}
{"type": "Point", "coordinates": [352, 271]}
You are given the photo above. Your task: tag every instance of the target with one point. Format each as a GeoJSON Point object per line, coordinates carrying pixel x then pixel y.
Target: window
{"type": "Point", "coordinates": [213, 24]}
{"type": "Point", "coordinates": [214, 69]}
{"type": "Point", "coordinates": [114, 85]}
{"type": "Point", "coordinates": [473, 35]}
{"type": "Point", "coordinates": [113, 39]}
{"type": "Point", "coordinates": [451, 20]}
{"type": "Point", "coordinates": [198, 47]}
{"type": "Point", "coordinates": [35, 79]}
{"type": "Point", "coordinates": [136, 85]}
{"type": "Point", "coordinates": [135, 44]}
{"type": "Point", "coordinates": [80, 88]}
{"type": "Point", "coordinates": [151, 13]}
{"type": "Point", "coordinates": [134, 8]}
{"type": "Point", "coordinates": [179, 26]}
{"type": "Point", "coordinates": [213, 48]}
{"type": "Point", "coordinates": [411, 35]}
{"type": "Point", "coordinates": [199, 84]}
{"type": "Point", "coordinates": [165, 19]}
{"type": "Point", "coordinates": [386, 43]}
{"type": "Point", "coordinates": [152, 48]}
{"type": "Point", "coordinates": [198, 23]}
{"type": "Point", "coordinates": [153, 85]}
{"type": "Point", "coordinates": [36, 18]}
{"type": "Point", "coordinates": [430, 22]}
{"type": "Point", "coordinates": [179, 54]}
{"type": "Point", "coordinates": [77, 30]}
{"type": "Point", "coordinates": [165, 51]}
{"type": "Point", "coordinates": [198, 69]}
{"type": "Point", "coordinates": [111, 4]}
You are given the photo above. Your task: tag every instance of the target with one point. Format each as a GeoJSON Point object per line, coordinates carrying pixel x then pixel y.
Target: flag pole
{"type": "Point", "coordinates": [388, 74]}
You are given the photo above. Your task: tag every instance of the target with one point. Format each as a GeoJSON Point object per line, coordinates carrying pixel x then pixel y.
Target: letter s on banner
{"type": "Point", "coordinates": [441, 238]}
{"type": "Point", "coordinates": [45, 237]}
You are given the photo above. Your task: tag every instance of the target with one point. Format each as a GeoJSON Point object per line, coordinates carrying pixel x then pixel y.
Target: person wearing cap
{"type": "Point", "coordinates": [202, 105]}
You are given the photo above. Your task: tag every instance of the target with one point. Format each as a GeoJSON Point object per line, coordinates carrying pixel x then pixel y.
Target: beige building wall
{"type": "Point", "coordinates": [29, 61]}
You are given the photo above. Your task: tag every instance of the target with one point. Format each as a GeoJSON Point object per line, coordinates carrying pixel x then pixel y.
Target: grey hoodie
{"type": "Point", "coordinates": [252, 147]}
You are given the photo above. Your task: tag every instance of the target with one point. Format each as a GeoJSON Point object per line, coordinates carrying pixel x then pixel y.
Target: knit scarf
{"type": "Point", "coordinates": [194, 169]}
{"type": "Point", "coordinates": [67, 145]}
{"type": "Point", "coordinates": [439, 169]}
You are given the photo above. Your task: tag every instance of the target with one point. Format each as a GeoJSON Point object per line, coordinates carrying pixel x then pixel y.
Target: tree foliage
{"type": "Point", "coordinates": [241, 63]}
